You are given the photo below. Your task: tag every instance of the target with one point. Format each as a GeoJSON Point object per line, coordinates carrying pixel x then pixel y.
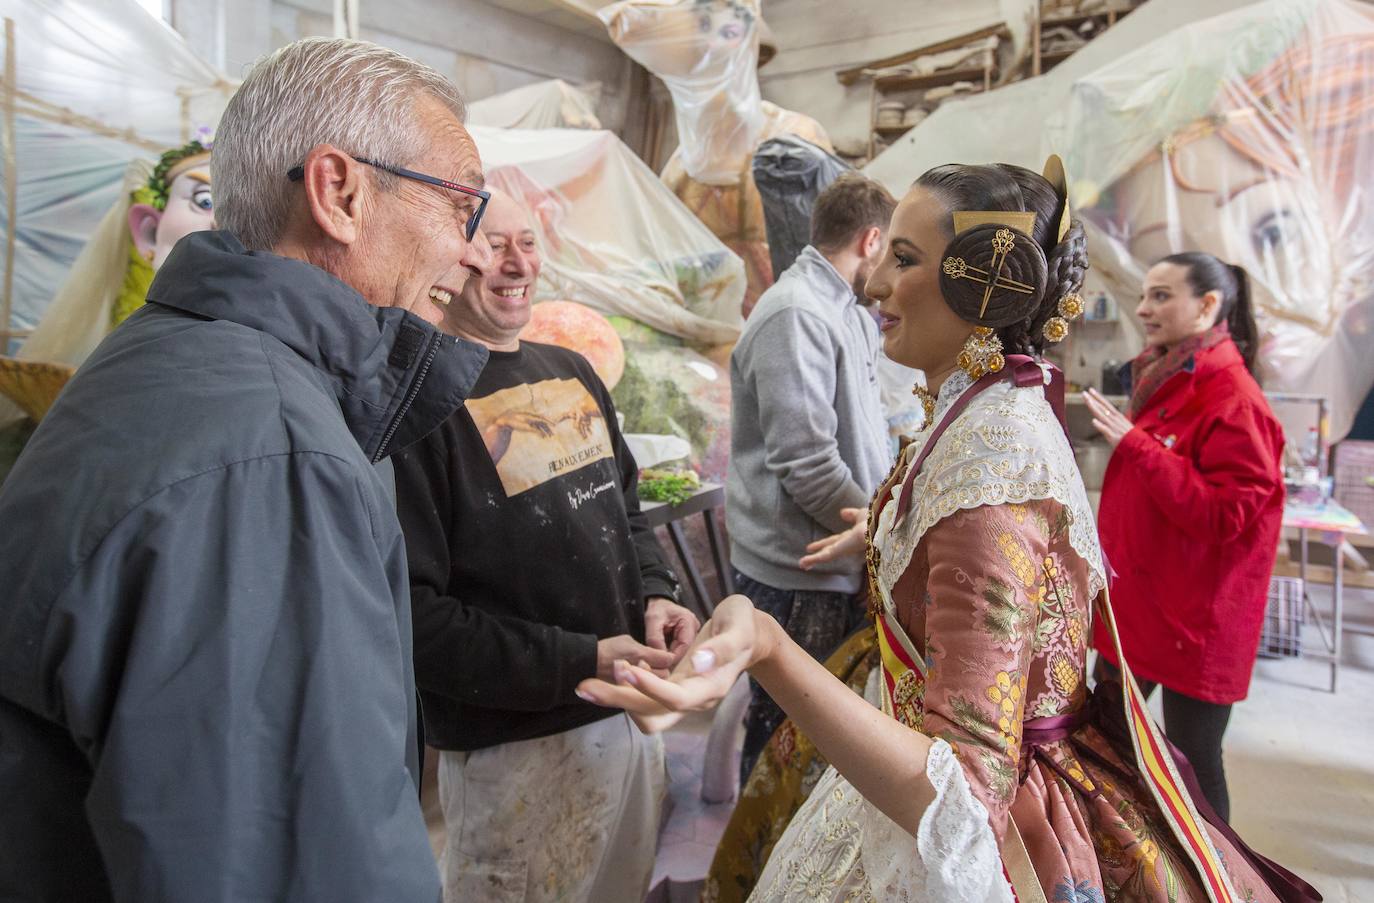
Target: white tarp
{"type": "Point", "coordinates": [552, 104]}
{"type": "Point", "coordinates": [614, 237]}
{"type": "Point", "coordinates": [98, 83]}
{"type": "Point", "coordinates": [1009, 125]}
{"type": "Point", "coordinates": [707, 54]}
{"type": "Point", "coordinates": [1244, 132]}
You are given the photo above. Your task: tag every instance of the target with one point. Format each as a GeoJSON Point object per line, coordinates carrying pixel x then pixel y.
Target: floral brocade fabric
{"type": "Point", "coordinates": [992, 593]}
{"type": "Point", "coordinates": [1003, 627]}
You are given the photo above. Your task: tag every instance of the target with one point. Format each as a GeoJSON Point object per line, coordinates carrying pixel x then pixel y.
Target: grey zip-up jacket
{"type": "Point", "coordinates": [206, 690]}
{"type": "Point", "coordinates": [807, 432]}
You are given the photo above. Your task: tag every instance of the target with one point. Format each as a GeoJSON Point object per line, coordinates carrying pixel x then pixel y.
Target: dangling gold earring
{"type": "Point", "coordinates": [927, 400]}
{"type": "Point", "coordinates": [982, 353]}
{"type": "Point", "coordinates": [1056, 328]}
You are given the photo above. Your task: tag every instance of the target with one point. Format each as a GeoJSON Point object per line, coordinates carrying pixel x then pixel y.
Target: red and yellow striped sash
{"type": "Point", "coordinates": [904, 676]}
{"type": "Point", "coordinates": [1157, 768]}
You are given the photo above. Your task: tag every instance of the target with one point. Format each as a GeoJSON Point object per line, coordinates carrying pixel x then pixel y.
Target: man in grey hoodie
{"type": "Point", "coordinates": [808, 441]}
{"type": "Point", "coordinates": [206, 682]}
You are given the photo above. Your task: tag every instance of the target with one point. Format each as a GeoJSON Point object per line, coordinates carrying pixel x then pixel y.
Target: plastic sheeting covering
{"type": "Point", "coordinates": [98, 83]}
{"type": "Point", "coordinates": [671, 389]}
{"type": "Point", "coordinates": [706, 52]}
{"type": "Point", "coordinates": [614, 237]}
{"type": "Point", "coordinates": [734, 213]}
{"type": "Point", "coordinates": [79, 317]}
{"type": "Point", "coordinates": [552, 104]}
{"type": "Point", "coordinates": [1249, 136]}
{"type": "Point", "coordinates": [790, 173]}
{"type": "Point", "coordinates": [1244, 130]}
{"type": "Point", "coordinates": [1009, 125]}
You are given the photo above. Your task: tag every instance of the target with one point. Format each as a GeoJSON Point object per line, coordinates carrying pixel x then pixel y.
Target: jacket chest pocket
{"type": "Point", "coordinates": [1167, 428]}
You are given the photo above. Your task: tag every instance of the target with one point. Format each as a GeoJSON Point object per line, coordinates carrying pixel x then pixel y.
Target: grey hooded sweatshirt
{"type": "Point", "coordinates": [807, 432]}
{"type": "Point", "coordinates": [206, 690]}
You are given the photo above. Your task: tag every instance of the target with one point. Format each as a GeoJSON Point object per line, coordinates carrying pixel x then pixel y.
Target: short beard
{"type": "Point", "coordinates": [859, 285]}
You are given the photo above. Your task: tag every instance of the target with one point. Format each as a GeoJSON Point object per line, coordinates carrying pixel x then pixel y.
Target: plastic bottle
{"type": "Point", "coordinates": [1311, 449]}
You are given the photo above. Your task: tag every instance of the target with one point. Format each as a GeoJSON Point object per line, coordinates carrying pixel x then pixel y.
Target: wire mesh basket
{"type": "Point", "coordinates": [1281, 634]}
{"type": "Point", "coordinates": [1354, 465]}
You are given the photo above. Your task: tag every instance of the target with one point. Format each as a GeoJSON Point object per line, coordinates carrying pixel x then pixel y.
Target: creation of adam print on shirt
{"type": "Point", "coordinates": [539, 431]}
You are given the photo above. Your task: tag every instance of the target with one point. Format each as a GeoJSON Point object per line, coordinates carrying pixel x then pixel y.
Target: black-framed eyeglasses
{"type": "Point", "coordinates": [296, 173]}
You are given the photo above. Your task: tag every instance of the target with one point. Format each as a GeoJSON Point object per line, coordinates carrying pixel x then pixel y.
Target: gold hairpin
{"type": "Point", "coordinates": [1055, 175]}
{"type": "Point", "coordinates": [1003, 242]}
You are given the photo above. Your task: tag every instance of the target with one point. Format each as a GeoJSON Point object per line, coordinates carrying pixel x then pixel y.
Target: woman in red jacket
{"type": "Point", "coordinates": [1192, 505]}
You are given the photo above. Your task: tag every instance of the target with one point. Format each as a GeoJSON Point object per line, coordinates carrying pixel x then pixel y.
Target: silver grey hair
{"type": "Point", "coordinates": [355, 95]}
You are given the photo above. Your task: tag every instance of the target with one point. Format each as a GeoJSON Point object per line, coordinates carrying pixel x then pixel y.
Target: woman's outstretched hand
{"type": "Point", "coordinates": [849, 544]}
{"type": "Point", "coordinates": [726, 646]}
{"type": "Point", "coordinates": [1107, 420]}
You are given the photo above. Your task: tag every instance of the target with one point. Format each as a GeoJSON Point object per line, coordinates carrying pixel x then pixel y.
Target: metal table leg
{"type": "Point", "coordinates": [693, 575]}
{"type": "Point", "coordinates": [1338, 610]}
{"type": "Point", "coordinates": [718, 554]}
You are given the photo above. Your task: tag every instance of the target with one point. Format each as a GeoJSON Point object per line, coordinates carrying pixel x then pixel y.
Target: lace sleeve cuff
{"type": "Point", "coordinates": [956, 855]}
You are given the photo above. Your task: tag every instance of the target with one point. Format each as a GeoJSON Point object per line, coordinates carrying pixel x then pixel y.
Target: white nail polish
{"type": "Point", "coordinates": [703, 661]}
{"type": "Point", "coordinates": [586, 697]}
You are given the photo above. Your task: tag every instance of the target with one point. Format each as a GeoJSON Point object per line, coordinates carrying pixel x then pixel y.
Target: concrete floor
{"type": "Point", "coordinates": [1300, 763]}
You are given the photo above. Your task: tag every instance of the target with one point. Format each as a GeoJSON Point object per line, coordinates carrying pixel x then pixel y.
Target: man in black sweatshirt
{"type": "Point", "coordinates": [532, 569]}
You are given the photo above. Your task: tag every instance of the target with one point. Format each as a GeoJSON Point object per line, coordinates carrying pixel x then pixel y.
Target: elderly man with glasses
{"type": "Point", "coordinates": [206, 685]}
{"type": "Point", "coordinates": [532, 569]}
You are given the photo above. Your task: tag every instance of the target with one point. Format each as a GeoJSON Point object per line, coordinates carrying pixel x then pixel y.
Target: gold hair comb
{"type": "Point", "coordinates": [1003, 241]}
{"type": "Point", "coordinates": [967, 219]}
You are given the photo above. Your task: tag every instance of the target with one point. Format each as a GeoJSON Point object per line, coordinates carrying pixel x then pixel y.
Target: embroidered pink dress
{"type": "Point", "coordinates": [987, 584]}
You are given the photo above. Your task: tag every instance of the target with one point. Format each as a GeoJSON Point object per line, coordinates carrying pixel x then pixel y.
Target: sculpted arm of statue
{"type": "Point", "coordinates": [881, 757]}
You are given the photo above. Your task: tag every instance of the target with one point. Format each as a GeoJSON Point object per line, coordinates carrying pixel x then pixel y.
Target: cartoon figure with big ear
{"type": "Point", "coordinates": [158, 205]}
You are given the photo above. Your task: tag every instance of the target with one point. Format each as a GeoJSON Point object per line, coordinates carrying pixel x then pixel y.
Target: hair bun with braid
{"type": "Point", "coordinates": [997, 266]}
{"type": "Point", "coordinates": [1067, 264]}
{"type": "Point", "coordinates": [1054, 268]}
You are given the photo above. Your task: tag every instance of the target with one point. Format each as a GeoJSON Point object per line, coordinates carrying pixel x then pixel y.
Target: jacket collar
{"type": "Point", "coordinates": [1222, 356]}
{"type": "Point", "coordinates": [395, 376]}
{"type": "Point", "coordinates": [1178, 390]}
{"type": "Point", "coordinates": [812, 266]}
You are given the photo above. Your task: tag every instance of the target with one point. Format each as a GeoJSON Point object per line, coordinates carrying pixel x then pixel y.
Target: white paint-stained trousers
{"type": "Point", "coordinates": [572, 817]}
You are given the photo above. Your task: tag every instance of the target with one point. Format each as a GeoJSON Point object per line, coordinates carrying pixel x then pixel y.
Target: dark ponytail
{"type": "Point", "coordinates": [1208, 274]}
{"type": "Point", "coordinates": [1241, 321]}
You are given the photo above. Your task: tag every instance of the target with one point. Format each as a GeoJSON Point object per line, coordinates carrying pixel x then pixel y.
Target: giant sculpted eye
{"type": "Point", "coordinates": [201, 199]}
{"type": "Point", "coordinates": [1272, 231]}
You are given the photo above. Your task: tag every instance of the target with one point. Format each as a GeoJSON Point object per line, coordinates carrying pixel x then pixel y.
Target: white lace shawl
{"type": "Point", "coordinates": [1006, 447]}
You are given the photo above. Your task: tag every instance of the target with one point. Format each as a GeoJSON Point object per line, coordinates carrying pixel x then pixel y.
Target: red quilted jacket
{"type": "Point", "coordinates": [1192, 508]}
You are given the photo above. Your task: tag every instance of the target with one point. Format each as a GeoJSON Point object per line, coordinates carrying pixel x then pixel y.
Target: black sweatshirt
{"type": "Point", "coordinates": [526, 545]}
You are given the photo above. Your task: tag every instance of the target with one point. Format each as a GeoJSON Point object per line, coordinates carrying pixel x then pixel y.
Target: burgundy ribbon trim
{"type": "Point", "coordinates": [1109, 719]}
{"type": "Point", "coordinates": [1024, 371]}
{"type": "Point", "coordinates": [1043, 731]}
{"type": "Point", "coordinates": [1287, 886]}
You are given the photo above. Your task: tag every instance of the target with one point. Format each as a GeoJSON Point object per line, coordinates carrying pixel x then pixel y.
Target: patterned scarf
{"type": "Point", "coordinates": [1155, 365]}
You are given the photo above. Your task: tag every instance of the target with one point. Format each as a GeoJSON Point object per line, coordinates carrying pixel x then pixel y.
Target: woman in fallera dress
{"type": "Point", "coordinates": [991, 772]}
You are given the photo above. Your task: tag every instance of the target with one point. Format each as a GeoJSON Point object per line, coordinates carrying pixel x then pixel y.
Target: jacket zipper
{"type": "Point", "coordinates": [414, 390]}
